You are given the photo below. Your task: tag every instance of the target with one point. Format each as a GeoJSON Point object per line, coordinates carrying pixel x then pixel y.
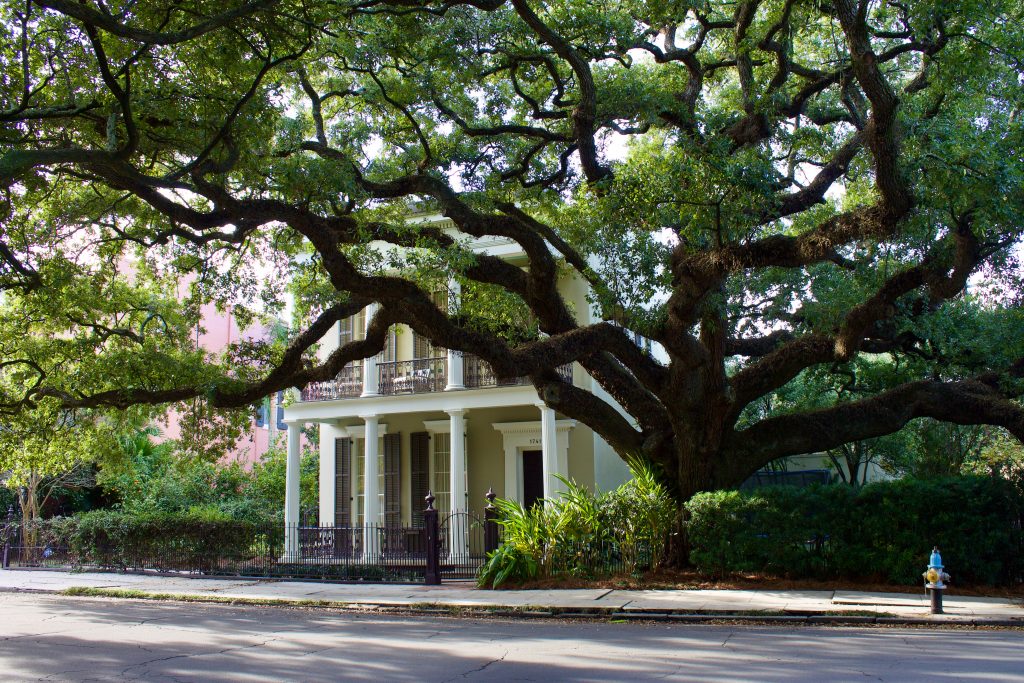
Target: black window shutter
{"type": "Point", "coordinates": [392, 480]}
{"type": "Point", "coordinates": [280, 411]}
{"type": "Point", "coordinates": [419, 474]}
{"type": "Point", "coordinates": [343, 482]}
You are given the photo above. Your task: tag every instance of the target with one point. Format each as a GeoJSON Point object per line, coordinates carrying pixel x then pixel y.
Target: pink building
{"type": "Point", "coordinates": [219, 329]}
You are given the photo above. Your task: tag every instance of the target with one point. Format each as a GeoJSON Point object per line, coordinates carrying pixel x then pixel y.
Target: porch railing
{"type": "Point", "coordinates": [478, 374]}
{"type": "Point", "coordinates": [418, 376]}
{"type": "Point", "coordinates": [347, 384]}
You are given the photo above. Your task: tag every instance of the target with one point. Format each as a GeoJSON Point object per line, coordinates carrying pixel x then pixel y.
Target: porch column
{"type": "Point", "coordinates": [458, 525]}
{"type": "Point", "coordinates": [457, 419]}
{"type": "Point", "coordinates": [329, 433]}
{"type": "Point", "coordinates": [549, 451]}
{"type": "Point", "coordinates": [455, 372]}
{"type": "Point", "coordinates": [371, 502]}
{"type": "Point", "coordinates": [291, 492]}
{"type": "Point", "coordinates": [371, 380]}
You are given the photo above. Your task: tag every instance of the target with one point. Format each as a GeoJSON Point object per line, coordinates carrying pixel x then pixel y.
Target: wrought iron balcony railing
{"type": "Point", "coordinates": [418, 376]}
{"type": "Point", "coordinates": [348, 384]}
{"type": "Point", "coordinates": [478, 373]}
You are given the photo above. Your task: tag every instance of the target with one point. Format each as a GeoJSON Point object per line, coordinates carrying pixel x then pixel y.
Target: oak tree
{"type": "Point", "coordinates": [764, 188]}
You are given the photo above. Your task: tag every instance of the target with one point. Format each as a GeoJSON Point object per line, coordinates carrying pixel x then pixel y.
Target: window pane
{"type": "Point", "coordinates": [442, 469]}
{"type": "Point", "coordinates": [357, 469]}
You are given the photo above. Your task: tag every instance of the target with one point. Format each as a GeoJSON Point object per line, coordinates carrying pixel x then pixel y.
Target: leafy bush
{"type": "Point", "coordinates": [883, 531]}
{"type": "Point", "coordinates": [584, 534]}
{"type": "Point", "coordinates": [153, 477]}
{"type": "Point", "coordinates": [8, 501]}
{"type": "Point", "coordinates": [509, 561]}
{"type": "Point", "coordinates": [202, 539]}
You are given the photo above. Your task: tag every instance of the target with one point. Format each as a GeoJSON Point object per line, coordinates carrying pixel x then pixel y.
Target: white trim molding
{"type": "Point", "coordinates": [359, 431]}
{"type": "Point", "coordinates": [526, 436]}
{"type": "Point", "coordinates": [438, 426]}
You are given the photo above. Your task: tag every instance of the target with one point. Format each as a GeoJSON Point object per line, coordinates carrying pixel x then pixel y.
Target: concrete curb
{"type": "Point", "coordinates": [817, 608]}
{"type": "Point", "coordinates": [537, 612]}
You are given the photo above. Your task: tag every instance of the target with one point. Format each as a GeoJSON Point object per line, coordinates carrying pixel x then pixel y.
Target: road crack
{"type": "Point", "coordinates": [479, 668]}
{"type": "Point", "coordinates": [146, 664]}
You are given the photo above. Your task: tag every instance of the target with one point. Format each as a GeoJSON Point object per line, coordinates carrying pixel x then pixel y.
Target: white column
{"type": "Point", "coordinates": [371, 502]}
{"type": "Point", "coordinates": [562, 438]}
{"type": "Point", "coordinates": [512, 467]}
{"type": "Point", "coordinates": [328, 435]}
{"type": "Point", "coordinates": [291, 492]}
{"type": "Point", "coordinates": [458, 528]}
{"type": "Point", "coordinates": [371, 380]}
{"type": "Point", "coordinates": [549, 450]}
{"type": "Point", "coordinates": [455, 372]}
{"type": "Point", "coordinates": [457, 419]}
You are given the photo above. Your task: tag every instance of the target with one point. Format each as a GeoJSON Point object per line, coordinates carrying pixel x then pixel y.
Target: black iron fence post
{"type": "Point", "coordinates": [8, 528]}
{"type": "Point", "coordinates": [490, 523]}
{"type": "Point", "coordinates": [433, 533]}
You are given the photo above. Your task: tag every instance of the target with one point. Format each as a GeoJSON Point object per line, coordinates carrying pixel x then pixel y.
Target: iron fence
{"type": "Point", "coordinates": [599, 558]}
{"type": "Point", "coordinates": [463, 548]}
{"type": "Point", "coordinates": [339, 553]}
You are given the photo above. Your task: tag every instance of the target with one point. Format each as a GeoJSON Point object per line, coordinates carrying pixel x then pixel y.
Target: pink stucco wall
{"type": "Point", "coordinates": [218, 330]}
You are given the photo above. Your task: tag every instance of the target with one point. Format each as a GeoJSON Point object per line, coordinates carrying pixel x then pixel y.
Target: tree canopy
{"type": "Point", "coordinates": [766, 189]}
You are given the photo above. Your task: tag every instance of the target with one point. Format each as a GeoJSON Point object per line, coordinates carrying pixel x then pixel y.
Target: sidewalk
{"type": "Point", "coordinates": [680, 605]}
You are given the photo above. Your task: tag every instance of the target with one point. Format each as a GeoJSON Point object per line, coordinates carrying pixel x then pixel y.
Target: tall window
{"type": "Point", "coordinates": [387, 354]}
{"type": "Point", "coordinates": [381, 490]}
{"type": "Point", "coordinates": [442, 471]}
{"type": "Point", "coordinates": [346, 330]}
{"type": "Point", "coordinates": [422, 347]}
{"type": "Point", "coordinates": [359, 469]}
{"type": "Point", "coordinates": [358, 460]}
{"type": "Point", "coordinates": [359, 324]}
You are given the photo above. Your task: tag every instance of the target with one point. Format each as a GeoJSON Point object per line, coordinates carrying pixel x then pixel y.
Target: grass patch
{"type": "Point", "coordinates": [436, 607]}
{"type": "Point", "coordinates": [127, 593]}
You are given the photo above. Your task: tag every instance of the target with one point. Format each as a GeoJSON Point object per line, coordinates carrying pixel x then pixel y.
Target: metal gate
{"type": "Point", "coordinates": [462, 545]}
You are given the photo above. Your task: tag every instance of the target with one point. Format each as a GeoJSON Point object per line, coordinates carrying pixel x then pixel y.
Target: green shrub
{"type": "Point", "coordinates": [508, 562]}
{"type": "Point", "coordinates": [156, 477]}
{"type": "Point", "coordinates": [201, 539]}
{"type": "Point", "coordinates": [883, 531]}
{"type": "Point", "coordinates": [583, 534]}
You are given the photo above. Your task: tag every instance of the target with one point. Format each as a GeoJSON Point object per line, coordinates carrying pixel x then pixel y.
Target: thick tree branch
{"type": "Point", "coordinates": [966, 402]}
{"type": "Point", "coordinates": [106, 22]}
{"type": "Point", "coordinates": [584, 115]}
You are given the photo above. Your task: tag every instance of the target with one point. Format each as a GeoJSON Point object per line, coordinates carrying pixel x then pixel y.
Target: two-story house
{"type": "Point", "coordinates": [418, 418]}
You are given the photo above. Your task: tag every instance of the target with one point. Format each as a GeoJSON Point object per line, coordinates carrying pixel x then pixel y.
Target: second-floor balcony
{"type": "Point", "coordinates": [417, 376]}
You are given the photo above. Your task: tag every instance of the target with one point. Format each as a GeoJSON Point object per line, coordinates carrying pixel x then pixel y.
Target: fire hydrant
{"type": "Point", "coordinates": [935, 580]}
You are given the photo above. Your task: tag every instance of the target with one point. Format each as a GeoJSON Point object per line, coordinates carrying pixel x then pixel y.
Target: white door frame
{"type": "Point", "coordinates": [525, 436]}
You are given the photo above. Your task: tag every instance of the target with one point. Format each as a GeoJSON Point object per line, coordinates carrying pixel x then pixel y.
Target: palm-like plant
{"type": "Point", "coordinates": [581, 533]}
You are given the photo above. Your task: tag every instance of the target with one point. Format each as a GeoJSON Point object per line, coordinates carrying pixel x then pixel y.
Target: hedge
{"type": "Point", "coordinates": [883, 531]}
{"type": "Point", "coordinates": [190, 541]}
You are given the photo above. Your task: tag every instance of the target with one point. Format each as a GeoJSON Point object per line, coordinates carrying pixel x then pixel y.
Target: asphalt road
{"type": "Point", "coordinates": [46, 637]}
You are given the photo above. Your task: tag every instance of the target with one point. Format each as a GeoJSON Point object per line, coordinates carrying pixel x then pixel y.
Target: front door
{"type": "Point", "coordinates": [533, 477]}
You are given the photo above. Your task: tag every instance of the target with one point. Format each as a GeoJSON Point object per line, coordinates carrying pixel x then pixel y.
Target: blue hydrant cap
{"type": "Point", "coordinates": [936, 559]}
